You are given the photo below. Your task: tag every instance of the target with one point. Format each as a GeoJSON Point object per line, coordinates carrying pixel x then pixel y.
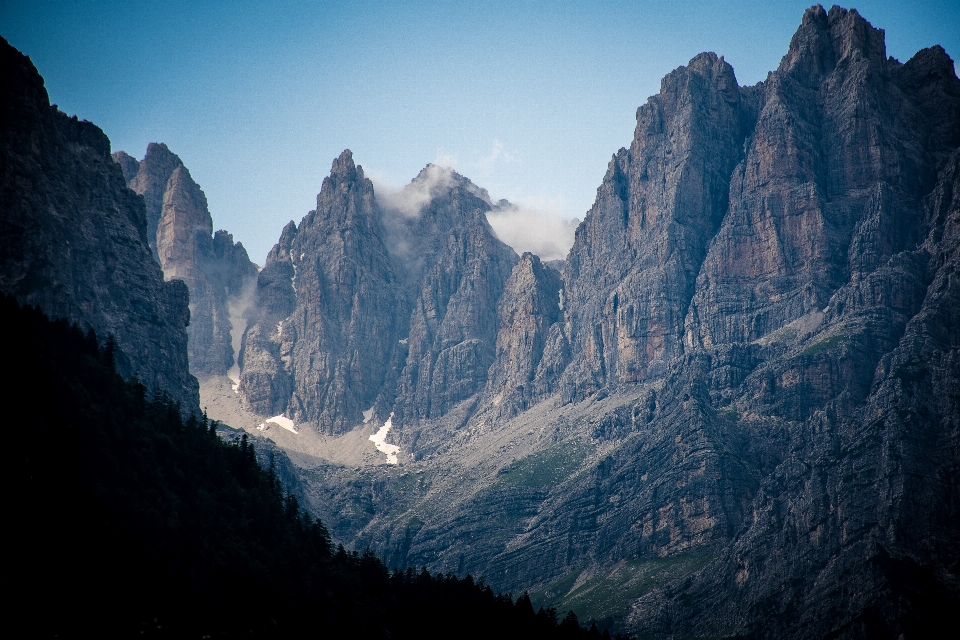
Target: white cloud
{"type": "Point", "coordinates": [531, 228]}
{"type": "Point", "coordinates": [410, 199]}
{"type": "Point", "coordinates": [445, 159]}
{"type": "Point", "coordinates": [526, 224]}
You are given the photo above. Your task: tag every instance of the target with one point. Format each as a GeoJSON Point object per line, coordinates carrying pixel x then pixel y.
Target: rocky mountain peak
{"type": "Point", "coordinates": [128, 164]}
{"type": "Point", "coordinates": [214, 268]}
{"type": "Point", "coordinates": [326, 304]}
{"type": "Point", "coordinates": [19, 73]}
{"type": "Point", "coordinates": [345, 193]}
{"type": "Point", "coordinates": [439, 179]}
{"type": "Point", "coordinates": [631, 271]}
{"type": "Point", "coordinates": [929, 79]}
{"type": "Point", "coordinates": [185, 228]}
{"type": "Point", "coordinates": [827, 39]}
{"type": "Point", "coordinates": [150, 181]}
{"type": "Point", "coordinates": [343, 167]}
{"type": "Point", "coordinates": [280, 252]}
{"type": "Point", "coordinates": [377, 302]}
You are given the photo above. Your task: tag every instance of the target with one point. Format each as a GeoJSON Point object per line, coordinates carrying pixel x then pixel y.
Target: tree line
{"type": "Point", "coordinates": [123, 518]}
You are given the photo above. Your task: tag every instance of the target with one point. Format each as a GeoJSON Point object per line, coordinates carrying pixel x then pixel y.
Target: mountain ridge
{"type": "Point", "coordinates": [732, 412]}
{"type": "Point", "coordinates": [753, 263]}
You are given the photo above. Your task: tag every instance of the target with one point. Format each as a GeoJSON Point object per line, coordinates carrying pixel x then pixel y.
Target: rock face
{"type": "Point", "coordinates": [361, 308]}
{"type": "Point", "coordinates": [631, 272]}
{"type": "Point", "coordinates": [74, 238]}
{"type": "Point", "coordinates": [458, 277]}
{"type": "Point", "coordinates": [217, 271]}
{"type": "Point", "coordinates": [327, 300]}
{"type": "Point", "coordinates": [752, 385]}
{"type": "Point", "coordinates": [149, 179]}
{"type": "Point", "coordinates": [836, 258]}
{"type": "Point", "coordinates": [528, 309]}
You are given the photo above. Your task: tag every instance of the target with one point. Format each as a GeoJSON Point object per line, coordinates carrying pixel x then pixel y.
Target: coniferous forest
{"type": "Point", "coordinates": [127, 520]}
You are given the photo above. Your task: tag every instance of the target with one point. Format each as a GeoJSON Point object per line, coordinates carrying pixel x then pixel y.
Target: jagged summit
{"type": "Point", "coordinates": [447, 178]}
{"type": "Point", "coordinates": [740, 350]}
{"type": "Point", "coordinates": [825, 39]}
{"type": "Point", "coordinates": [344, 169]}
{"type": "Point", "coordinates": [377, 302]}
{"type": "Point", "coordinates": [324, 316]}
{"type": "Point", "coordinates": [150, 181]}
{"type": "Point", "coordinates": [432, 181]}
{"type": "Point", "coordinates": [180, 231]}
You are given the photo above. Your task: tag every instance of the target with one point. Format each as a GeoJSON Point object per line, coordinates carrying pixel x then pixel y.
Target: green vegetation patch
{"type": "Point", "coordinates": [545, 468]}
{"type": "Point", "coordinates": [823, 345]}
{"type": "Point", "coordinates": [606, 597]}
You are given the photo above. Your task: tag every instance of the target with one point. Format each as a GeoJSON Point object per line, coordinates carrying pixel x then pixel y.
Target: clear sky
{"type": "Point", "coordinates": [527, 99]}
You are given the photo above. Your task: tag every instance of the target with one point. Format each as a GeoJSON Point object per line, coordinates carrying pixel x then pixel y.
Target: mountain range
{"type": "Point", "coordinates": [733, 409]}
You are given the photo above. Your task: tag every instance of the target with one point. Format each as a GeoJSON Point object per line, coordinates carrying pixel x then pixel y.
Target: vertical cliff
{"type": "Point", "coordinates": [631, 272]}
{"type": "Point", "coordinates": [361, 307]}
{"type": "Point", "coordinates": [74, 238]}
{"type": "Point", "coordinates": [835, 262]}
{"type": "Point", "coordinates": [149, 179]}
{"type": "Point", "coordinates": [526, 313]}
{"type": "Point", "coordinates": [454, 284]}
{"type": "Point", "coordinates": [328, 305]}
{"type": "Point", "coordinates": [216, 270]}
{"type": "Point", "coordinates": [744, 418]}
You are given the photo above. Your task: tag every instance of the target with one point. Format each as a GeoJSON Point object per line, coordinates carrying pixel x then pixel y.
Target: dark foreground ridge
{"type": "Point", "coordinates": [159, 527]}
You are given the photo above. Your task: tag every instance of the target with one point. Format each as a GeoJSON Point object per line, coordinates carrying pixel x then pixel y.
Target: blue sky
{"type": "Point", "coordinates": [528, 99]}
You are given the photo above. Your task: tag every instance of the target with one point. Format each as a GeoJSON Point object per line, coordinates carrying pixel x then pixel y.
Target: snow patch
{"type": "Point", "coordinates": [379, 439]}
{"type": "Point", "coordinates": [235, 381]}
{"type": "Point", "coordinates": [403, 341]}
{"type": "Point", "coordinates": [368, 415]}
{"type": "Point", "coordinates": [561, 299]}
{"type": "Point", "coordinates": [280, 421]}
{"type": "Point", "coordinates": [280, 329]}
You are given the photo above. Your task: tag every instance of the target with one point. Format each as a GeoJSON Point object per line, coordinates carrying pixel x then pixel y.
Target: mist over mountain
{"type": "Point", "coordinates": [730, 410]}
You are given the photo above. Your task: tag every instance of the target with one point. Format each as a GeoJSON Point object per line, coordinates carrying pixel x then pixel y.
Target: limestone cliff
{"type": "Point", "coordinates": [361, 307]}
{"type": "Point", "coordinates": [328, 303]}
{"type": "Point", "coordinates": [453, 286]}
{"type": "Point", "coordinates": [631, 272]}
{"type": "Point", "coordinates": [149, 179]}
{"type": "Point", "coordinates": [216, 270]}
{"type": "Point", "coordinates": [74, 238]}
{"type": "Point", "coordinates": [526, 313]}
{"type": "Point", "coordinates": [853, 208]}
